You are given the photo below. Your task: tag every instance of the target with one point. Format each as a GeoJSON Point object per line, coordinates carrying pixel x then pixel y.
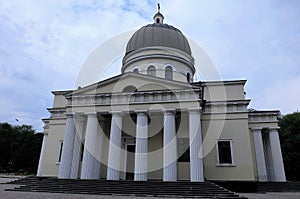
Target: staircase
{"type": "Point", "coordinates": [103, 187]}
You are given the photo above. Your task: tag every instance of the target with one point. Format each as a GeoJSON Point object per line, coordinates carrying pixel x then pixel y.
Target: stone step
{"type": "Point", "coordinates": [103, 187]}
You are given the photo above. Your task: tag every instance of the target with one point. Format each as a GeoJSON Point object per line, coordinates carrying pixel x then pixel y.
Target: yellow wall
{"type": "Point", "coordinates": [233, 126]}
{"type": "Point", "coordinates": [56, 133]}
{"type": "Point", "coordinates": [237, 131]}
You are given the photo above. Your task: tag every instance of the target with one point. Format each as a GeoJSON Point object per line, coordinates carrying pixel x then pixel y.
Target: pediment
{"type": "Point", "coordinates": [118, 83]}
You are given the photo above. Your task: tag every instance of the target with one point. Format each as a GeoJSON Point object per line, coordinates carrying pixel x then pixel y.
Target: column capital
{"type": "Point", "coordinates": [70, 114]}
{"type": "Point", "coordinates": [169, 111]}
{"type": "Point", "coordinates": [145, 111]}
{"type": "Point", "coordinates": [194, 110]}
{"type": "Point", "coordinates": [256, 129]}
{"type": "Point", "coordinates": [119, 113]}
{"type": "Point", "coordinates": [273, 129]}
{"type": "Point", "coordinates": [91, 114]}
{"type": "Point", "coordinates": [79, 113]}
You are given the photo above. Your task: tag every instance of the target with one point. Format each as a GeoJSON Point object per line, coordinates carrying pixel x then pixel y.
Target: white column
{"type": "Point", "coordinates": [260, 155]}
{"type": "Point", "coordinates": [79, 122]}
{"type": "Point", "coordinates": [92, 149]}
{"type": "Point", "coordinates": [141, 149]}
{"type": "Point", "coordinates": [99, 145]}
{"type": "Point", "coordinates": [67, 151]}
{"type": "Point", "coordinates": [114, 154]}
{"type": "Point", "coordinates": [196, 155]}
{"type": "Point", "coordinates": [276, 155]}
{"type": "Point", "coordinates": [170, 147]}
{"type": "Point", "coordinates": [42, 155]}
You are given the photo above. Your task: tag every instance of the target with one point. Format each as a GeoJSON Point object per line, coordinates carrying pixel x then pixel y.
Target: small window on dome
{"type": "Point", "coordinates": [136, 70]}
{"type": "Point", "coordinates": [151, 71]}
{"type": "Point", "coordinates": [188, 77]}
{"type": "Point", "coordinates": [169, 73]}
{"type": "Point", "coordinates": [157, 20]}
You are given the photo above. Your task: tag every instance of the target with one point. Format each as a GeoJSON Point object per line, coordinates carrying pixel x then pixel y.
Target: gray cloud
{"type": "Point", "coordinates": [44, 43]}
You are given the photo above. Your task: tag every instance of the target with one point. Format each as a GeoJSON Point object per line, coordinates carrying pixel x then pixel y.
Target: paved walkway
{"type": "Point", "coordinates": [273, 195]}
{"type": "Point", "coordinates": [34, 195]}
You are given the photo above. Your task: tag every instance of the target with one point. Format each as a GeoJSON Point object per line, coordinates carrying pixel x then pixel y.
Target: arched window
{"type": "Point", "coordinates": [129, 89]}
{"type": "Point", "coordinates": [136, 70]}
{"type": "Point", "coordinates": [151, 71]}
{"type": "Point", "coordinates": [157, 20]}
{"type": "Point", "coordinates": [169, 72]}
{"type": "Point", "coordinates": [188, 77]}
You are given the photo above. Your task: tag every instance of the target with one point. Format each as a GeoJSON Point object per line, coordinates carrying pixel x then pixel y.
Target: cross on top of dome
{"type": "Point", "coordinates": [158, 17]}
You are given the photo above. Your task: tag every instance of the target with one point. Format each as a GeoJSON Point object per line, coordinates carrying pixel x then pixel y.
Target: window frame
{"type": "Point", "coordinates": [183, 150]}
{"type": "Point", "coordinates": [59, 152]}
{"type": "Point", "coordinates": [149, 72]}
{"type": "Point", "coordinates": [232, 164]}
{"type": "Point", "coordinates": [129, 89]}
{"type": "Point", "coordinates": [136, 70]}
{"type": "Point", "coordinates": [170, 72]}
{"type": "Point", "coordinates": [82, 150]}
{"type": "Point", "coordinates": [188, 77]}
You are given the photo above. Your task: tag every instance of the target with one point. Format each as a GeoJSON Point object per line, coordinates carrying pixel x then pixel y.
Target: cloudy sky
{"type": "Point", "coordinates": [44, 43]}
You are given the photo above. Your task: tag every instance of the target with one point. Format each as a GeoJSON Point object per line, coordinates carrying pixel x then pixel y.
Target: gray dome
{"type": "Point", "coordinates": [158, 34]}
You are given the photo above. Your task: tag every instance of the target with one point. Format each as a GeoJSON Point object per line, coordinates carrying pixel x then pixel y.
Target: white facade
{"type": "Point", "coordinates": [153, 122]}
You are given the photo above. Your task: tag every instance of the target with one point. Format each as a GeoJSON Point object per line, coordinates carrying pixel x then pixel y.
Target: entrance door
{"type": "Point", "coordinates": [130, 158]}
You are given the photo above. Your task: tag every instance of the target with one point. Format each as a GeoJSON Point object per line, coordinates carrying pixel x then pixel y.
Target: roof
{"type": "Point", "coordinates": [158, 34]}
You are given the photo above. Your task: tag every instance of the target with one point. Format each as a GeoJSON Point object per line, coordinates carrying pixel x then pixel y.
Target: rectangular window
{"type": "Point", "coordinates": [185, 157]}
{"type": "Point", "coordinates": [81, 151]}
{"type": "Point", "coordinates": [183, 149]}
{"type": "Point", "coordinates": [224, 152]}
{"type": "Point", "coordinates": [60, 147]}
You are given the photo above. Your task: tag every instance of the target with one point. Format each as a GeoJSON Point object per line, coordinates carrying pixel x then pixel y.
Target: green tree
{"type": "Point", "coordinates": [290, 144]}
{"type": "Point", "coordinates": [19, 148]}
{"type": "Point", "coordinates": [6, 132]}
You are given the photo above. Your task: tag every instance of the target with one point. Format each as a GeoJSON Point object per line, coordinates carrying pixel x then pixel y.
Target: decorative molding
{"type": "Point", "coordinates": [263, 117]}
{"type": "Point", "coordinates": [256, 128]}
{"type": "Point", "coordinates": [159, 96]}
{"type": "Point", "coordinates": [141, 111]}
{"type": "Point", "coordinates": [191, 110]}
{"type": "Point", "coordinates": [117, 113]}
{"type": "Point", "coordinates": [273, 128]}
{"type": "Point", "coordinates": [221, 107]}
{"type": "Point", "coordinates": [169, 111]}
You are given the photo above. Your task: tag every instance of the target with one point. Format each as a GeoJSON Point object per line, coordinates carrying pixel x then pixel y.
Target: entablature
{"type": "Point", "coordinates": [57, 113]}
{"type": "Point", "coordinates": [125, 98]}
{"type": "Point", "coordinates": [263, 116]}
{"type": "Point", "coordinates": [232, 106]}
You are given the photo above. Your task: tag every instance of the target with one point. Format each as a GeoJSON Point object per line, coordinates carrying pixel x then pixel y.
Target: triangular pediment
{"type": "Point", "coordinates": [118, 83]}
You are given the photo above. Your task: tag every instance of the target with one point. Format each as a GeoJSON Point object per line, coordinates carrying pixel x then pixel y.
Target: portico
{"type": "Point", "coordinates": [269, 162]}
{"type": "Point", "coordinates": [95, 134]}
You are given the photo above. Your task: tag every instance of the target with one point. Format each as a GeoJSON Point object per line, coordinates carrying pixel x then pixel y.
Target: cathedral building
{"type": "Point", "coordinates": [153, 121]}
